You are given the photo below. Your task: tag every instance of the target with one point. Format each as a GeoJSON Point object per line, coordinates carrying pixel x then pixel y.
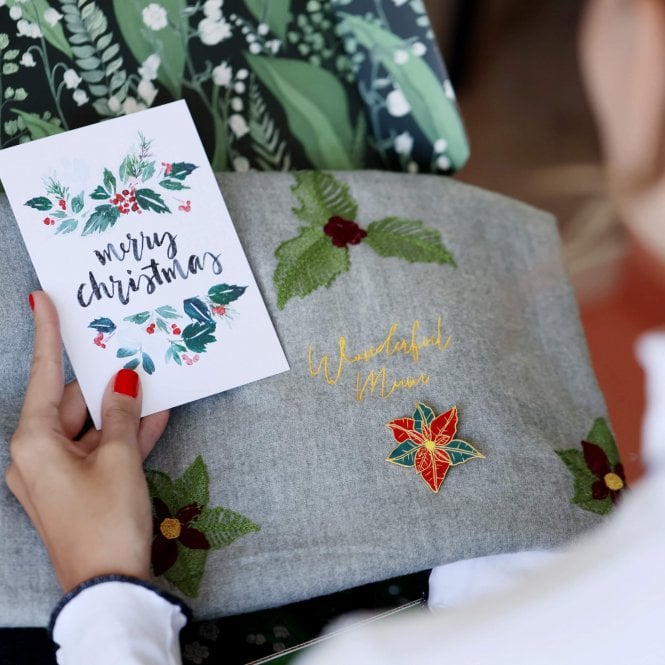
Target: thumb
{"type": "Point", "coordinates": [121, 409]}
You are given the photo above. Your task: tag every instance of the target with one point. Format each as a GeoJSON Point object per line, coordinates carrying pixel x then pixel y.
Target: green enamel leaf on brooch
{"type": "Point", "coordinates": [598, 475]}
{"type": "Point", "coordinates": [185, 529]}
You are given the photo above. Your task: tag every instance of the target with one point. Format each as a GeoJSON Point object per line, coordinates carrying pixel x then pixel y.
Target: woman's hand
{"type": "Point", "coordinates": [87, 498]}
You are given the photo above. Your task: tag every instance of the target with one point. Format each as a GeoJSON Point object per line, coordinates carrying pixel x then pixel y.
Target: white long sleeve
{"type": "Point", "coordinates": [118, 621]}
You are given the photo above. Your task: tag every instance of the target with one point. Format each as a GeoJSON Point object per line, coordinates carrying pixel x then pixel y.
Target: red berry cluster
{"type": "Point", "coordinates": [98, 341]}
{"type": "Point", "coordinates": [49, 221]}
{"type": "Point", "coordinates": [185, 207]}
{"type": "Point", "coordinates": [343, 232]}
{"type": "Point", "coordinates": [188, 360]}
{"type": "Point", "coordinates": [125, 201]}
{"type": "Point", "coordinates": [220, 310]}
{"type": "Point", "coordinates": [150, 329]}
{"type": "Point", "coordinates": [175, 329]}
{"type": "Point", "coordinates": [167, 168]}
{"type": "Point", "coordinates": [63, 204]}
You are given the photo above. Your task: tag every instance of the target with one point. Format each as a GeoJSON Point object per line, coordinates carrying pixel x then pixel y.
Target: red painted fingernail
{"type": "Point", "coordinates": [126, 383]}
{"type": "Point", "coordinates": [31, 301]}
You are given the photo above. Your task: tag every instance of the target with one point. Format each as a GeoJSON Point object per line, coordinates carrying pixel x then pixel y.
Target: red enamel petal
{"type": "Point", "coordinates": [618, 469]}
{"type": "Point", "coordinates": [164, 554]}
{"type": "Point", "coordinates": [193, 539]}
{"type": "Point", "coordinates": [444, 427]}
{"type": "Point", "coordinates": [596, 459]}
{"type": "Point", "coordinates": [599, 490]}
{"type": "Point", "coordinates": [403, 429]}
{"type": "Point", "coordinates": [161, 509]}
{"type": "Point", "coordinates": [432, 466]}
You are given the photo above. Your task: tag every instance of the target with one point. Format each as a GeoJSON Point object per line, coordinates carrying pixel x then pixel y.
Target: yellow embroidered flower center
{"type": "Point", "coordinates": [613, 481]}
{"type": "Point", "coordinates": [430, 445]}
{"type": "Point", "coordinates": [170, 528]}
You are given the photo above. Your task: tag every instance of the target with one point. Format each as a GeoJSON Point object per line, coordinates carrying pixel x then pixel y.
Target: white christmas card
{"type": "Point", "coordinates": [130, 236]}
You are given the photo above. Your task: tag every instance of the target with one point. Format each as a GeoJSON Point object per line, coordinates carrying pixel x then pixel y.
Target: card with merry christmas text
{"type": "Point", "coordinates": [130, 236]}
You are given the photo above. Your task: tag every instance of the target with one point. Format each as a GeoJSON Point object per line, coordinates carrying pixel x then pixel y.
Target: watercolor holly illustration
{"type": "Point", "coordinates": [141, 184]}
{"type": "Point", "coordinates": [599, 478]}
{"type": "Point", "coordinates": [186, 529]}
{"type": "Point", "coordinates": [427, 442]}
{"type": "Point", "coordinates": [320, 252]}
{"type": "Point", "coordinates": [185, 334]}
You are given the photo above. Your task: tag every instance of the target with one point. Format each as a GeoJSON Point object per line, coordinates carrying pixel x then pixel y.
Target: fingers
{"type": "Point", "coordinates": [151, 428]}
{"type": "Point", "coordinates": [121, 409]}
{"type": "Point", "coordinates": [45, 386]}
{"type": "Point", "coordinates": [73, 411]}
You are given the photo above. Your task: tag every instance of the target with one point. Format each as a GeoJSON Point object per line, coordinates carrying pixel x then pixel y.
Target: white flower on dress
{"type": "Point", "coordinates": [397, 104]}
{"type": "Point", "coordinates": [443, 163]}
{"type": "Point", "coordinates": [239, 87]}
{"type": "Point", "coordinates": [148, 70]}
{"type": "Point", "coordinates": [147, 91]}
{"type": "Point", "coordinates": [130, 105]}
{"type": "Point", "coordinates": [236, 104]}
{"type": "Point", "coordinates": [241, 164]}
{"type": "Point", "coordinates": [242, 74]}
{"type": "Point", "coordinates": [419, 49]}
{"type": "Point", "coordinates": [221, 75]}
{"type": "Point", "coordinates": [155, 16]}
{"type": "Point", "coordinates": [15, 12]}
{"type": "Point", "coordinates": [52, 16]}
{"type": "Point", "coordinates": [80, 97]}
{"type": "Point", "coordinates": [440, 145]}
{"type": "Point", "coordinates": [27, 59]}
{"type": "Point", "coordinates": [28, 29]}
{"type": "Point", "coordinates": [114, 104]}
{"type": "Point", "coordinates": [213, 31]}
{"type": "Point", "coordinates": [263, 29]}
{"type": "Point", "coordinates": [72, 79]}
{"type": "Point", "coordinates": [403, 143]}
{"type": "Point", "coordinates": [401, 56]}
{"type": "Point", "coordinates": [254, 48]}
{"type": "Point", "coordinates": [213, 9]}
{"type": "Point", "coordinates": [238, 125]}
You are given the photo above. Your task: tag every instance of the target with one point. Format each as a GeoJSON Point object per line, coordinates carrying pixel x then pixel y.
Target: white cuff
{"type": "Point", "coordinates": [118, 620]}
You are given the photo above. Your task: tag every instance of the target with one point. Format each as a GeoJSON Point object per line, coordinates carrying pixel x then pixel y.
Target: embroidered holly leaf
{"type": "Point", "coordinates": [100, 194]}
{"type": "Point", "coordinates": [426, 442]}
{"type": "Point", "coordinates": [192, 486]}
{"type": "Point", "coordinates": [222, 526]}
{"type": "Point", "coordinates": [167, 312]}
{"type": "Point", "coordinates": [224, 294]}
{"type": "Point", "coordinates": [180, 170]}
{"type": "Point", "coordinates": [306, 263]}
{"type": "Point", "coordinates": [109, 181]}
{"type": "Point", "coordinates": [100, 220]}
{"type": "Point", "coordinates": [40, 203]}
{"type": "Point", "coordinates": [321, 197]}
{"type": "Point", "coordinates": [147, 363]}
{"type": "Point", "coordinates": [125, 352]}
{"type": "Point", "coordinates": [173, 185]}
{"type": "Point", "coordinates": [598, 475]}
{"type": "Point", "coordinates": [187, 571]}
{"type": "Point", "coordinates": [198, 335]}
{"type": "Point", "coordinates": [407, 239]}
{"type": "Point", "coordinates": [77, 203]}
{"type": "Point", "coordinates": [148, 199]}
{"type": "Point", "coordinates": [159, 484]}
{"type": "Point", "coordinates": [197, 310]}
{"type": "Point", "coordinates": [139, 318]}
{"type": "Point", "coordinates": [103, 325]}
{"type": "Point", "coordinates": [67, 226]}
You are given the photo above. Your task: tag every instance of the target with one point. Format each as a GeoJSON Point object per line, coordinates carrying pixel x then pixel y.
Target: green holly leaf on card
{"type": "Point", "coordinates": [67, 226]}
{"type": "Point", "coordinates": [104, 217]}
{"type": "Point", "coordinates": [185, 529]}
{"type": "Point", "coordinates": [148, 199]}
{"type": "Point", "coordinates": [139, 318]}
{"type": "Point", "coordinates": [224, 294]}
{"type": "Point", "coordinates": [198, 335]}
{"type": "Point", "coordinates": [103, 325]}
{"type": "Point", "coordinates": [99, 194]}
{"type": "Point", "coordinates": [180, 170]}
{"type": "Point", "coordinates": [197, 310]}
{"type": "Point", "coordinates": [598, 475]}
{"type": "Point", "coordinates": [77, 203]}
{"type": "Point", "coordinates": [40, 203]}
{"type": "Point", "coordinates": [174, 185]}
{"type": "Point", "coordinates": [320, 252]}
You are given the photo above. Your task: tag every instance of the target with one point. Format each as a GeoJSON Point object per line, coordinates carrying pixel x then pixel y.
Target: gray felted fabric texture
{"type": "Point", "coordinates": [305, 460]}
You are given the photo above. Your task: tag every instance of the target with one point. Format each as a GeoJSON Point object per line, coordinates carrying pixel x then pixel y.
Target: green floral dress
{"type": "Point", "coordinates": [271, 84]}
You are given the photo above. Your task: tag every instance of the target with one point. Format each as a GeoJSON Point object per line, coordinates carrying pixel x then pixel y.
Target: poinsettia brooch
{"type": "Point", "coordinates": [319, 254]}
{"type": "Point", "coordinates": [598, 474]}
{"type": "Point", "coordinates": [428, 442]}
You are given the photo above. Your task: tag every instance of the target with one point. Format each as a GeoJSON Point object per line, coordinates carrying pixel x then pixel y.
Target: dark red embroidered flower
{"type": "Point", "coordinates": [343, 232]}
{"type": "Point", "coordinates": [610, 480]}
{"type": "Point", "coordinates": [170, 530]}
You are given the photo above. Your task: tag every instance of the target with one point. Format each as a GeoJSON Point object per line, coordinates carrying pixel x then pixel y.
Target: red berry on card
{"type": "Point", "coordinates": [176, 331]}
{"type": "Point", "coordinates": [125, 192]}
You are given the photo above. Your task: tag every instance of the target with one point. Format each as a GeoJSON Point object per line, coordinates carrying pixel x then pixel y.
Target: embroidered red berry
{"type": "Point", "coordinates": [343, 232]}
